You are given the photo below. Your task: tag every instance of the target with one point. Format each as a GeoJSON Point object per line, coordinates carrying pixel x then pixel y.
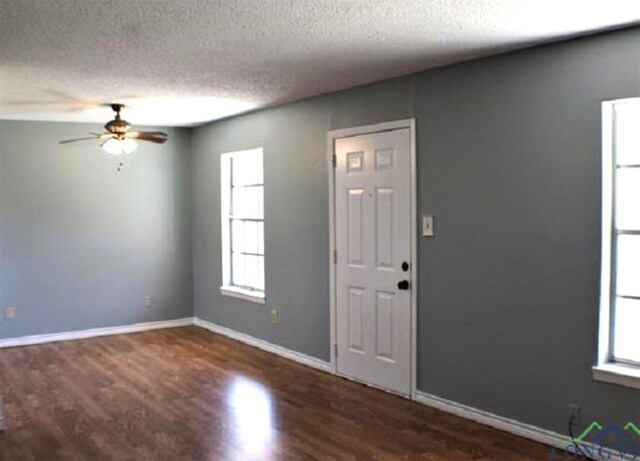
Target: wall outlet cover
{"type": "Point", "coordinates": [10, 313]}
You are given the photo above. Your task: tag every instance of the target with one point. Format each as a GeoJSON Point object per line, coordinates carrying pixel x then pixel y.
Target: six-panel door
{"type": "Point", "coordinates": [373, 240]}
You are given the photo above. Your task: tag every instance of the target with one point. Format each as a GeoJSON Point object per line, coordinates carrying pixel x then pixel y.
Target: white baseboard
{"type": "Point", "coordinates": [511, 426]}
{"type": "Point", "coordinates": [93, 332]}
{"type": "Point", "coordinates": [546, 437]}
{"type": "Point", "coordinates": [264, 345]}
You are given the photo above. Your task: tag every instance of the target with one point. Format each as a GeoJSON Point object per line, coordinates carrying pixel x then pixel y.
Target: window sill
{"type": "Point", "coordinates": [615, 373]}
{"type": "Point", "coordinates": [247, 295]}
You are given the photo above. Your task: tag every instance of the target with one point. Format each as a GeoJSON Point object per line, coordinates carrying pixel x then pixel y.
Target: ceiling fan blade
{"type": "Point", "coordinates": [154, 136]}
{"type": "Point", "coordinates": [67, 141]}
{"type": "Point", "coordinates": [93, 136]}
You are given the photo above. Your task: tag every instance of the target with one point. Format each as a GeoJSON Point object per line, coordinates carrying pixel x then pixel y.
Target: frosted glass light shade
{"type": "Point", "coordinates": [128, 145]}
{"type": "Point", "coordinates": [115, 146]}
{"type": "Point", "coordinates": [112, 146]}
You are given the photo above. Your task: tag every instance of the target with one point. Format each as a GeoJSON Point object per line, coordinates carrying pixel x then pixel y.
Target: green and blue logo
{"type": "Point", "coordinates": [603, 442]}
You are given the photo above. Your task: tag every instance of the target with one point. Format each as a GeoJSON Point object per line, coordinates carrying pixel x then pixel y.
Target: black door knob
{"type": "Point", "coordinates": [405, 266]}
{"type": "Point", "coordinates": [403, 285]}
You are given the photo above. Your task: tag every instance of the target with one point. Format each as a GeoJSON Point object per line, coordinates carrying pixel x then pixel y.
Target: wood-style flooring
{"type": "Point", "coordinates": [188, 394]}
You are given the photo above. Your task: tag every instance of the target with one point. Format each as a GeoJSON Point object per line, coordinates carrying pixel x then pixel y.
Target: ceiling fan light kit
{"type": "Point", "coordinates": [118, 139]}
{"type": "Point", "coordinates": [115, 146]}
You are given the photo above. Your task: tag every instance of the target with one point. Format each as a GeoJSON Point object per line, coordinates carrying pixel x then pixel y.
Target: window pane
{"type": "Point", "coordinates": [239, 202]}
{"type": "Point", "coordinates": [261, 273]}
{"type": "Point", "coordinates": [627, 322]}
{"type": "Point", "coordinates": [246, 202]}
{"type": "Point", "coordinates": [237, 235]}
{"type": "Point", "coordinates": [247, 168]}
{"type": "Point", "coordinates": [627, 134]}
{"type": "Point", "coordinates": [251, 271]}
{"type": "Point", "coordinates": [628, 265]}
{"type": "Point", "coordinates": [238, 269]}
{"type": "Point", "coordinates": [628, 198]}
{"type": "Point", "coordinates": [251, 237]}
{"type": "Point", "coordinates": [261, 238]}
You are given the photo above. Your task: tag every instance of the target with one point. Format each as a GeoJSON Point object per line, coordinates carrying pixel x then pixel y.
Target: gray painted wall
{"type": "Point", "coordinates": [296, 210]}
{"type": "Point", "coordinates": [82, 244]}
{"type": "Point", "coordinates": [509, 162]}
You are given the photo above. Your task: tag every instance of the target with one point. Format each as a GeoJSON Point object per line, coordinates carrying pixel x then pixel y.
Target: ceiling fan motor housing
{"type": "Point", "coordinates": [117, 126]}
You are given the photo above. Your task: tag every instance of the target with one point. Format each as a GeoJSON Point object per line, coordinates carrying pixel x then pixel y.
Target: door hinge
{"type": "Point", "coordinates": [335, 256]}
{"type": "Point", "coordinates": [334, 160]}
{"type": "Point", "coordinates": [335, 350]}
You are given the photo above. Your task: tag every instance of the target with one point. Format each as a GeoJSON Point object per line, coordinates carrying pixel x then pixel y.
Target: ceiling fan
{"type": "Point", "coordinates": [118, 139]}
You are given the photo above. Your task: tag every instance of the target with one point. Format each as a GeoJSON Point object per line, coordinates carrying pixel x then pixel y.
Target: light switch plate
{"type": "Point", "coordinates": [427, 225]}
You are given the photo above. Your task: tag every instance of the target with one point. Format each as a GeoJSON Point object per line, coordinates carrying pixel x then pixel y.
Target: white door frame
{"type": "Point", "coordinates": [355, 131]}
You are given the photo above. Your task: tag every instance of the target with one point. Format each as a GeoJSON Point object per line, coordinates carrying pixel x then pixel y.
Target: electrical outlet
{"type": "Point", "coordinates": [10, 313]}
{"type": "Point", "coordinates": [273, 316]}
{"type": "Point", "coordinates": [147, 301]}
{"type": "Point", "coordinates": [574, 412]}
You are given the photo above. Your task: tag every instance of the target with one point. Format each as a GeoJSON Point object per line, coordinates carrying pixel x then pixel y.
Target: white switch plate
{"type": "Point", "coordinates": [147, 301]}
{"type": "Point", "coordinates": [10, 313]}
{"type": "Point", "coordinates": [427, 225]}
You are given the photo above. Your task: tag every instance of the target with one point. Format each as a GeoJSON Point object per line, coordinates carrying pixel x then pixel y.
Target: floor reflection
{"type": "Point", "coordinates": [251, 419]}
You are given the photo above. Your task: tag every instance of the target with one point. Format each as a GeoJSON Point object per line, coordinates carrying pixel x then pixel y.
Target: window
{"type": "Point", "coordinates": [242, 205]}
{"type": "Point", "coordinates": [620, 288]}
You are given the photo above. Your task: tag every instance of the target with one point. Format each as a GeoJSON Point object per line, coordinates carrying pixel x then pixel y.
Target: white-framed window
{"type": "Point", "coordinates": [242, 208]}
{"type": "Point", "coordinates": [619, 342]}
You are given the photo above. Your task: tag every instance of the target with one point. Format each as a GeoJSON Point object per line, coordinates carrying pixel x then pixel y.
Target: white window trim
{"type": "Point", "coordinates": [225, 201]}
{"type": "Point", "coordinates": [247, 295]}
{"type": "Point", "coordinates": [606, 369]}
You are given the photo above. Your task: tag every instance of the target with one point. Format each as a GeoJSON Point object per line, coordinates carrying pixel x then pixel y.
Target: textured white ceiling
{"type": "Point", "coordinates": [184, 62]}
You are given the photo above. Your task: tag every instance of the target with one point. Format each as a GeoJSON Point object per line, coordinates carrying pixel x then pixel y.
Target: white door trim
{"type": "Point", "coordinates": [355, 131]}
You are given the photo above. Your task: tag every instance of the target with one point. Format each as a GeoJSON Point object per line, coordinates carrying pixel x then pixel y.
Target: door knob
{"type": "Point", "coordinates": [405, 266]}
{"type": "Point", "coordinates": [403, 285]}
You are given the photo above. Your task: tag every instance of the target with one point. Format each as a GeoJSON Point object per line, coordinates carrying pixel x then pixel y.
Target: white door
{"type": "Point", "coordinates": [373, 242]}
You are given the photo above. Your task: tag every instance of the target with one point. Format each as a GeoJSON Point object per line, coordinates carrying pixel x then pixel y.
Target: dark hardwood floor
{"type": "Point", "coordinates": [188, 394]}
